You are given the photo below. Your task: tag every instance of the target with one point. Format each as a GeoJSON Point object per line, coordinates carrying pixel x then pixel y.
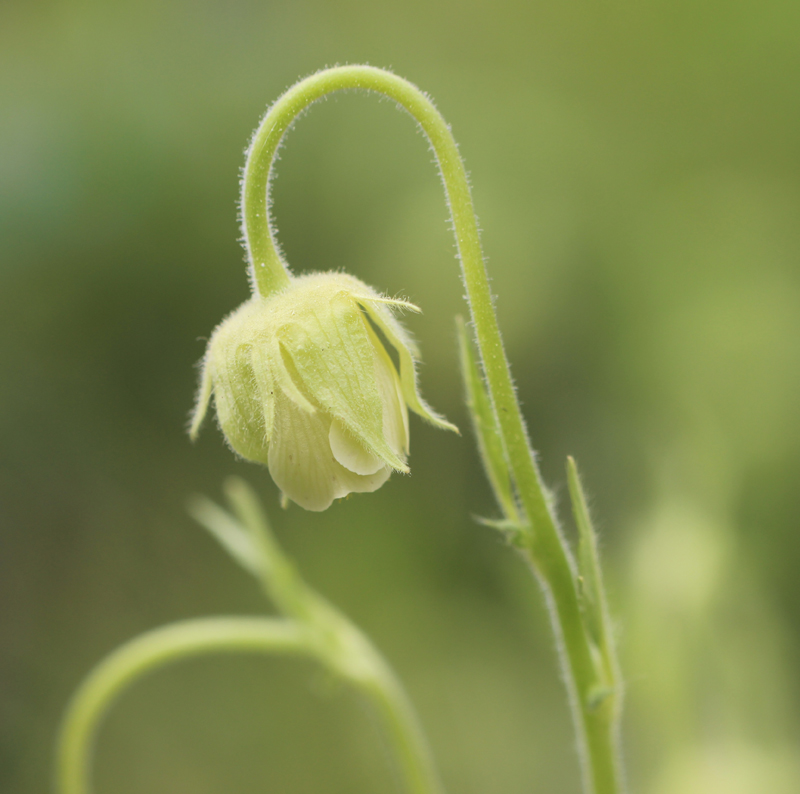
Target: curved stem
{"type": "Point", "coordinates": [350, 653]}
{"type": "Point", "coordinates": [148, 652]}
{"type": "Point", "coordinates": [406, 735]}
{"type": "Point", "coordinates": [338, 645]}
{"type": "Point", "coordinates": [543, 545]}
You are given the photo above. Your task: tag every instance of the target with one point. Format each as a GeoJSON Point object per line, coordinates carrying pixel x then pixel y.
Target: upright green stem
{"type": "Point", "coordinates": [543, 545]}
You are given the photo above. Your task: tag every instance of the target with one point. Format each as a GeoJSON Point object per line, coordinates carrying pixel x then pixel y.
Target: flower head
{"type": "Point", "coordinates": [302, 383]}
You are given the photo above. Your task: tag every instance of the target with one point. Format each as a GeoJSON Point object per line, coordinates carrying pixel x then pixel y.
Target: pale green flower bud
{"type": "Point", "coordinates": [303, 384]}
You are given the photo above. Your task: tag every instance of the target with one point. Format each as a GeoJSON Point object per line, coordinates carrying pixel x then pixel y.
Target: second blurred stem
{"type": "Point", "coordinates": [338, 644]}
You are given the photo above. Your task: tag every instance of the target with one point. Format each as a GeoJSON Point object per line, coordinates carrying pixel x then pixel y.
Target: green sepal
{"type": "Point", "coordinates": [202, 400]}
{"type": "Point", "coordinates": [343, 380]}
{"type": "Point", "coordinates": [244, 400]}
{"type": "Point", "coordinates": [407, 353]}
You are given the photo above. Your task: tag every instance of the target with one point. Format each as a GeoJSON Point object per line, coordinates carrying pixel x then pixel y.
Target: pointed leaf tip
{"type": "Point", "coordinates": [201, 404]}
{"type": "Point", "coordinates": [227, 531]}
{"type": "Point", "coordinates": [588, 562]}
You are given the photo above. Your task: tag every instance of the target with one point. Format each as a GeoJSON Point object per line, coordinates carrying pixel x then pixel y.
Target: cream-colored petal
{"type": "Point", "coordinates": [350, 452]}
{"type": "Point", "coordinates": [368, 483]}
{"type": "Point", "coordinates": [302, 463]}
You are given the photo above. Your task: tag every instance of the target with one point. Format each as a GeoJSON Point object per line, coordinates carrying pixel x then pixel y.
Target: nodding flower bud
{"type": "Point", "coordinates": [302, 383]}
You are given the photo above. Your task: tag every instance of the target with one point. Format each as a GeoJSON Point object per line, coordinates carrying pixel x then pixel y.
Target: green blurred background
{"type": "Point", "coordinates": [636, 169]}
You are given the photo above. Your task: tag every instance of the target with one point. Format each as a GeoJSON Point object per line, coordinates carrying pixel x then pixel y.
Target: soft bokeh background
{"type": "Point", "coordinates": [636, 168]}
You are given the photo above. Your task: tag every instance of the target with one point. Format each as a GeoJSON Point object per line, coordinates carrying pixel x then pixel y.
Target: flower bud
{"type": "Point", "coordinates": [303, 384]}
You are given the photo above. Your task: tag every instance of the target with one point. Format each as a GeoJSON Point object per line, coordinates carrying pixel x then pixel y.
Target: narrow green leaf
{"type": "Point", "coordinates": [484, 423]}
{"type": "Point", "coordinates": [590, 581]}
{"type": "Point", "coordinates": [228, 532]}
{"type": "Point", "coordinates": [279, 578]}
{"type": "Point", "coordinates": [513, 530]}
{"type": "Point", "coordinates": [246, 506]}
{"type": "Point", "coordinates": [248, 510]}
{"type": "Point", "coordinates": [500, 524]}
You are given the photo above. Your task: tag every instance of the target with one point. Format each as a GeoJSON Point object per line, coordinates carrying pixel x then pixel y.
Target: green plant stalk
{"type": "Point", "coordinates": [333, 641]}
{"type": "Point", "coordinates": [542, 545]}
{"type": "Point", "coordinates": [147, 652]}
{"type": "Point", "coordinates": [340, 643]}
{"type": "Point", "coordinates": [350, 654]}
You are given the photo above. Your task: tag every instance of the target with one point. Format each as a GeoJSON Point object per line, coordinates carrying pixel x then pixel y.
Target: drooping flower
{"type": "Point", "coordinates": [303, 384]}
